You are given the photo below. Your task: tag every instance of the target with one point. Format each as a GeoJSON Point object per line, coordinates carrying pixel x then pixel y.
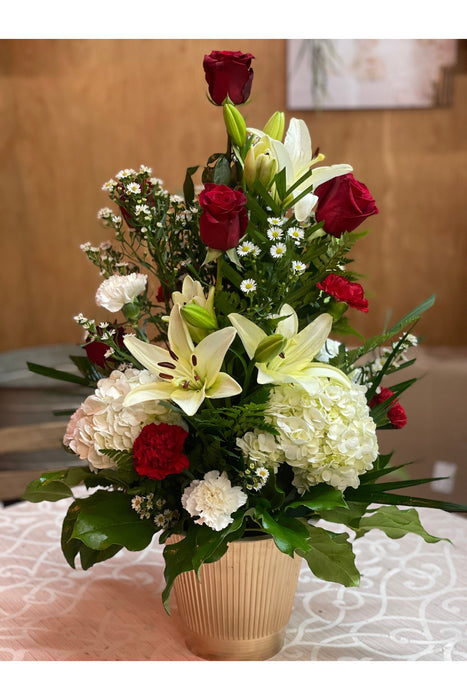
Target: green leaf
{"type": "Point", "coordinates": [289, 533]}
{"type": "Point", "coordinates": [349, 516]}
{"type": "Point", "coordinates": [330, 557]}
{"type": "Point", "coordinates": [70, 546]}
{"type": "Point", "coordinates": [188, 186]}
{"type": "Point", "coordinates": [53, 486]}
{"type": "Point", "coordinates": [59, 374]}
{"type": "Point", "coordinates": [89, 557]}
{"type": "Point", "coordinates": [222, 174]}
{"type": "Point", "coordinates": [106, 518]}
{"type": "Point", "coordinates": [395, 523]}
{"type": "Point", "coordinates": [321, 497]}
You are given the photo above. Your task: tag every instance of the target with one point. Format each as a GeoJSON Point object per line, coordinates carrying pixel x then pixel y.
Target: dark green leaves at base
{"type": "Point", "coordinates": [330, 557]}
{"type": "Point", "coordinates": [97, 527]}
{"type": "Point", "coordinates": [53, 486]}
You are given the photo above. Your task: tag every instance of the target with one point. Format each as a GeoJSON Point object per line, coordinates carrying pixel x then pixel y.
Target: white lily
{"type": "Point", "coordinates": [186, 374]}
{"type": "Point", "coordinates": [294, 363]}
{"type": "Point", "coordinates": [296, 156]}
{"type": "Point", "coordinates": [193, 293]}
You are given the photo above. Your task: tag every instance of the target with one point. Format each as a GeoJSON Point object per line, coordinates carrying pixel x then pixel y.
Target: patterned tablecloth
{"type": "Point", "coordinates": [411, 605]}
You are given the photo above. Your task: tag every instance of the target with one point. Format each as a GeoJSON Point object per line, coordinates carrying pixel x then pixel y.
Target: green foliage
{"type": "Point", "coordinates": [53, 486]}
{"type": "Point", "coordinates": [330, 557]}
{"type": "Point", "coordinates": [395, 523]}
{"type": "Point", "coordinates": [105, 519]}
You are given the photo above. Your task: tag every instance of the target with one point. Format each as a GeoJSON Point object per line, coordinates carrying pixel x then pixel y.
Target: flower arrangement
{"type": "Point", "coordinates": [219, 407]}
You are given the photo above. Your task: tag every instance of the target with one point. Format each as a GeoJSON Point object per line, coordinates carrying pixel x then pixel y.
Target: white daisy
{"type": "Point", "coordinates": [298, 267]}
{"type": "Point", "coordinates": [276, 221]}
{"type": "Point", "coordinates": [247, 247]}
{"type": "Point", "coordinates": [127, 172]}
{"type": "Point", "coordinates": [296, 234]}
{"type": "Point", "coordinates": [109, 185]}
{"type": "Point", "coordinates": [279, 250]}
{"type": "Point", "coordinates": [133, 188]}
{"type": "Point", "coordinates": [248, 286]}
{"type": "Point", "coordinates": [274, 233]}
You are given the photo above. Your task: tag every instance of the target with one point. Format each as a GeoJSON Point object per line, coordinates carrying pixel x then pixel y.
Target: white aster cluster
{"type": "Point", "coordinates": [102, 422]}
{"type": "Point", "coordinates": [118, 290]}
{"type": "Point", "coordinates": [213, 500]}
{"type": "Point", "coordinates": [325, 434]}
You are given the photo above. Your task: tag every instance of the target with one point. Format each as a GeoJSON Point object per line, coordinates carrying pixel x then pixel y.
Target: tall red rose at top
{"type": "Point", "coordinates": [224, 218]}
{"type": "Point", "coordinates": [228, 74]}
{"type": "Point", "coordinates": [343, 204]}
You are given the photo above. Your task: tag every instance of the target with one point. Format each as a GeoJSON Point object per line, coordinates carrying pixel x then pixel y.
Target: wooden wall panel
{"type": "Point", "coordinates": [74, 112]}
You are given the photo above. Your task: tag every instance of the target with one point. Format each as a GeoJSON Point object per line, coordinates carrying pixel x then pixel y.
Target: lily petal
{"type": "Point", "coordinates": [223, 386]}
{"type": "Point", "coordinates": [178, 335]}
{"type": "Point", "coordinates": [288, 327]}
{"type": "Point", "coordinates": [298, 144]}
{"type": "Point", "coordinates": [310, 340]}
{"type": "Point", "coordinates": [327, 172]}
{"type": "Point", "coordinates": [188, 399]}
{"type": "Point", "coordinates": [152, 391]}
{"type": "Point", "coordinates": [210, 353]}
{"type": "Point", "coordinates": [149, 355]}
{"type": "Point", "coordinates": [250, 334]}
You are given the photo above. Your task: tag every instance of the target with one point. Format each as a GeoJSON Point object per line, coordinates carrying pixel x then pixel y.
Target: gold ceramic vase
{"type": "Point", "coordinates": [240, 607]}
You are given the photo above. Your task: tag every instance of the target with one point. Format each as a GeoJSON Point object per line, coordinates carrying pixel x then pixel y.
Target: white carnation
{"type": "Point", "coordinates": [325, 434]}
{"type": "Point", "coordinates": [213, 500]}
{"type": "Point", "coordinates": [118, 290]}
{"type": "Point", "coordinates": [102, 422]}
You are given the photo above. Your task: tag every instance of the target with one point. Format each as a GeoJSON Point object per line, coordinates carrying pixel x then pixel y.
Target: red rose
{"type": "Point", "coordinates": [157, 451]}
{"type": "Point", "coordinates": [228, 74]}
{"type": "Point", "coordinates": [343, 290]}
{"type": "Point", "coordinates": [343, 203]}
{"type": "Point", "coordinates": [395, 412]}
{"type": "Point", "coordinates": [224, 218]}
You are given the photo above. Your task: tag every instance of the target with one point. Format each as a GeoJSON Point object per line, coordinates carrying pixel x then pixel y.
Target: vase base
{"type": "Point", "coordinates": [213, 649]}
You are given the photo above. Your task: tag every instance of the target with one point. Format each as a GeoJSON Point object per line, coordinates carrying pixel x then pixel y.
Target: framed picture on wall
{"type": "Point", "coordinates": [332, 74]}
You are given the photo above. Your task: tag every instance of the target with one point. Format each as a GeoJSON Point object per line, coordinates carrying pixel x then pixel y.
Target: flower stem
{"type": "Point", "coordinates": [219, 275]}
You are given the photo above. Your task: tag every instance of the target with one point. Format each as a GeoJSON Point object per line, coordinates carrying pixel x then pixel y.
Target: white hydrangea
{"type": "Point", "coordinates": [102, 422]}
{"type": "Point", "coordinates": [325, 434]}
{"type": "Point", "coordinates": [118, 290]}
{"type": "Point", "coordinates": [213, 500]}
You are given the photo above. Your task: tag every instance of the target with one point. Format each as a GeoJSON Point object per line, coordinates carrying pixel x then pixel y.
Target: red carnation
{"type": "Point", "coordinates": [395, 412]}
{"type": "Point", "coordinates": [157, 451]}
{"type": "Point", "coordinates": [343, 204]}
{"type": "Point", "coordinates": [228, 74]}
{"type": "Point", "coordinates": [343, 290]}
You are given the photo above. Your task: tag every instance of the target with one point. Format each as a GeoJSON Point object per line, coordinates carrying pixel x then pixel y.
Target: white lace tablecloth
{"type": "Point", "coordinates": [411, 605]}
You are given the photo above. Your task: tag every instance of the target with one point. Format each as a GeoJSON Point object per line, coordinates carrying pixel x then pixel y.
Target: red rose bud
{"type": "Point", "coordinates": [157, 451]}
{"type": "Point", "coordinates": [343, 290]}
{"type": "Point", "coordinates": [395, 412]}
{"type": "Point", "coordinates": [343, 204]}
{"type": "Point", "coordinates": [228, 74]}
{"type": "Point", "coordinates": [224, 218]}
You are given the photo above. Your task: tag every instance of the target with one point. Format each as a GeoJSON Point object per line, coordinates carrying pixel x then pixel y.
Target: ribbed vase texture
{"type": "Point", "coordinates": [241, 605]}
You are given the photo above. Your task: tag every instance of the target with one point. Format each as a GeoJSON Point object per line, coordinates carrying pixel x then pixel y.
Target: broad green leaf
{"type": "Point", "coordinates": [70, 546]}
{"type": "Point", "coordinates": [321, 497]}
{"type": "Point", "coordinates": [289, 533]}
{"type": "Point", "coordinates": [222, 174]}
{"type": "Point", "coordinates": [330, 557]}
{"type": "Point", "coordinates": [349, 516]}
{"type": "Point", "coordinates": [89, 557]}
{"type": "Point", "coordinates": [395, 523]}
{"type": "Point", "coordinates": [106, 518]}
{"type": "Point", "coordinates": [53, 486]}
